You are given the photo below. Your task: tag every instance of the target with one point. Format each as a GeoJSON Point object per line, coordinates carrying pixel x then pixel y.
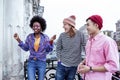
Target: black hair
{"type": "Point", "coordinates": [87, 19]}
{"type": "Point", "coordinates": [39, 20]}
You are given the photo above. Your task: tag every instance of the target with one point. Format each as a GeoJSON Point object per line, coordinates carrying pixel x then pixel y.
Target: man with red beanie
{"type": "Point", "coordinates": [102, 57]}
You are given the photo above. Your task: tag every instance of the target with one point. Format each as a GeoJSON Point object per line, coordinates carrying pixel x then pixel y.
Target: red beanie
{"type": "Point", "coordinates": [97, 19]}
{"type": "Point", "coordinates": [70, 20]}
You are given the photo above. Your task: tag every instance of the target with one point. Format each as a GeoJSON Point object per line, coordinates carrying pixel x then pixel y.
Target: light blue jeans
{"type": "Point", "coordinates": [32, 66]}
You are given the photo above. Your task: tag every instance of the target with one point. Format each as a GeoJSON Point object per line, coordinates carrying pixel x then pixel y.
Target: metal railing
{"type": "Point", "coordinates": [116, 76]}
{"type": "Point", "coordinates": [50, 70]}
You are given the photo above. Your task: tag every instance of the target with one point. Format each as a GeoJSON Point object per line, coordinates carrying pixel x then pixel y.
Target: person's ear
{"type": "Point", "coordinates": [96, 25]}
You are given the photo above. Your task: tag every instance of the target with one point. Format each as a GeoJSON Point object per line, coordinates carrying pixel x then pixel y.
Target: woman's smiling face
{"type": "Point", "coordinates": [66, 27]}
{"type": "Point", "coordinates": [37, 27]}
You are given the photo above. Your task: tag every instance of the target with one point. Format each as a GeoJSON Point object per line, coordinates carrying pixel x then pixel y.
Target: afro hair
{"type": "Point", "coordinates": [39, 20]}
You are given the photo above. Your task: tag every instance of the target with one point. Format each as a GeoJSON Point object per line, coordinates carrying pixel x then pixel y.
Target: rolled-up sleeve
{"type": "Point", "coordinates": [112, 56]}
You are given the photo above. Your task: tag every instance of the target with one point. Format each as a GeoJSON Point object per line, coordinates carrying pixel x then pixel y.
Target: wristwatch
{"type": "Point", "coordinates": [91, 70]}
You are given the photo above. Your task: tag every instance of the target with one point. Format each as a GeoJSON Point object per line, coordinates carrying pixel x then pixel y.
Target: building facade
{"type": "Point", "coordinates": [109, 33]}
{"type": "Point", "coordinates": [117, 34]}
{"type": "Point", "coordinates": [14, 18]}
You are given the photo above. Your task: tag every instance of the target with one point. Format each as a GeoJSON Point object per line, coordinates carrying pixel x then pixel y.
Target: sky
{"type": "Point", "coordinates": [56, 10]}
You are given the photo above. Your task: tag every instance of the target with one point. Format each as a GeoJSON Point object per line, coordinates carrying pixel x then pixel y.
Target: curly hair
{"type": "Point", "coordinates": [39, 20]}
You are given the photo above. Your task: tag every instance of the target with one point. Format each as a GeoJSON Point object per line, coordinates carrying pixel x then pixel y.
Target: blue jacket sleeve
{"type": "Point", "coordinates": [48, 46]}
{"type": "Point", "coordinates": [24, 46]}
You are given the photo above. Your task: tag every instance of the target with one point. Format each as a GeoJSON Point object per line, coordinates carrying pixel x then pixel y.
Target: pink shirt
{"type": "Point", "coordinates": [101, 50]}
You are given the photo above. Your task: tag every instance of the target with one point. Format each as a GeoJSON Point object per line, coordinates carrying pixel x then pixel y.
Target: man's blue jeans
{"type": "Point", "coordinates": [65, 73]}
{"type": "Point", "coordinates": [32, 66]}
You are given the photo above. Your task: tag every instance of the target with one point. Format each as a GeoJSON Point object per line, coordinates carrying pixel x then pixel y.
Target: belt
{"type": "Point", "coordinates": [34, 58]}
